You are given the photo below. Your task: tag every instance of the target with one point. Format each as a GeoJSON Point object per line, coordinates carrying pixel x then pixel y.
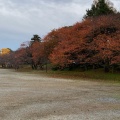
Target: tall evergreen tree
{"type": "Point", "coordinates": [100, 7]}
{"type": "Point", "coordinates": [36, 38]}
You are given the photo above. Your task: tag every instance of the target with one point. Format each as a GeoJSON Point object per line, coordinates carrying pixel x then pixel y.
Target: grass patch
{"type": "Point", "coordinates": [97, 75]}
{"type": "Point", "coordinates": [90, 74]}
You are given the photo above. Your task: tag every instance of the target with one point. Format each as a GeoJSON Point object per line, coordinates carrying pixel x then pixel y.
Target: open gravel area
{"type": "Point", "coordinates": [25, 96]}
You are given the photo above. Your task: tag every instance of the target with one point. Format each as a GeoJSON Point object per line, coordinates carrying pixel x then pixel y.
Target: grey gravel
{"type": "Point", "coordinates": [25, 96]}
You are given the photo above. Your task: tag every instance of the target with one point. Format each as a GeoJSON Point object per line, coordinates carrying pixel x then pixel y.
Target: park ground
{"type": "Point", "coordinates": [26, 96]}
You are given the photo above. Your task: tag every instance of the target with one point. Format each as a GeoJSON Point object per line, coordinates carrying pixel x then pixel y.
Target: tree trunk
{"type": "Point", "coordinates": [107, 66]}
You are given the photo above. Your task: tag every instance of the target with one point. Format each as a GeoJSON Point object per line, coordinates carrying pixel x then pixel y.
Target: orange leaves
{"type": "Point", "coordinates": [90, 41]}
{"type": "Point", "coordinates": [93, 41]}
{"type": "Point", "coordinates": [37, 51]}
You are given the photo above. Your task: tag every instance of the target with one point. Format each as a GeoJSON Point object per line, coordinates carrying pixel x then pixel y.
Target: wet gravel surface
{"type": "Point", "coordinates": [34, 97]}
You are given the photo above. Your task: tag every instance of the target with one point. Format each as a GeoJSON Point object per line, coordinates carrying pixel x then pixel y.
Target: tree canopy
{"type": "Point", "coordinates": [36, 38]}
{"type": "Point", "coordinates": [92, 43]}
{"type": "Point", "coordinates": [87, 44]}
{"type": "Point", "coordinates": [100, 7]}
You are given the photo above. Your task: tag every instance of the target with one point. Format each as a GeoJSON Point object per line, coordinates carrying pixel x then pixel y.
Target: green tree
{"type": "Point", "coordinates": [100, 7]}
{"type": "Point", "coordinates": [36, 38]}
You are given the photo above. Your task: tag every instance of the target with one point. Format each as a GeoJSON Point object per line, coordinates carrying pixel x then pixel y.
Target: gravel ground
{"type": "Point", "coordinates": [34, 97]}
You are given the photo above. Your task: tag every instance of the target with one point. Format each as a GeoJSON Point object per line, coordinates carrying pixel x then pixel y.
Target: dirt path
{"type": "Point", "coordinates": [34, 97]}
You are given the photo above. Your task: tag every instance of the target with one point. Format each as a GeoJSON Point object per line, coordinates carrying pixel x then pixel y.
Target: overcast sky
{"type": "Point", "coordinates": [20, 19]}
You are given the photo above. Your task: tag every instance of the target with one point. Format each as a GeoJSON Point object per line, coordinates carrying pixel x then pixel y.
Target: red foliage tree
{"type": "Point", "coordinates": [69, 49]}
{"type": "Point", "coordinates": [94, 41]}
{"type": "Point", "coordinates": [37, 52]}
{"type": "Point", "coordinates": [54, 37]}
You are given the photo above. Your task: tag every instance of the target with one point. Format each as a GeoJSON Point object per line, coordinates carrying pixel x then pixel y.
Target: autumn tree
{"type": "Point", "coordinates": [30, 53]}
{"type": "Point", "coordinates": [90, 42]}
{"type": "Point", "coordinates": [22, 57]}
{"type": "Point", "coordinates": [52, 39]}
{"type": "Point", "coordinates": [100, 7]}
{"type": "Point", "coordinates": [6, 60]}
{"type": "Point", "coordinates": [37, 53]}
{"type": "Point", "coordinates": [69, 49]}
{"type": "Point", "coordinates": [105, 40]}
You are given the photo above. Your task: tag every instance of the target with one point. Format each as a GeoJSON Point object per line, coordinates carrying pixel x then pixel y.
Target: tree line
{"type": "Point", "coordinates": [91, 44]}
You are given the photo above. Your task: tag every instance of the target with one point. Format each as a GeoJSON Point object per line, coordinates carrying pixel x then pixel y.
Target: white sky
{"type": "Point", "coordinates": [21, 19]}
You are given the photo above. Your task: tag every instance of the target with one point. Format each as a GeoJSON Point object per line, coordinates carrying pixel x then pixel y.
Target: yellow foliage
{"type": "Point", "coordinates": [4, 51]}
